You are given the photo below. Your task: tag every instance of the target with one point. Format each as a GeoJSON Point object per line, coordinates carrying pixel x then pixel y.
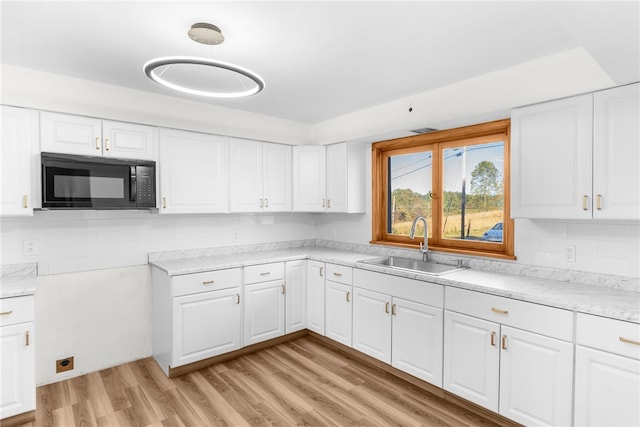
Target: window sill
{"type": "Point", "coordinates": [445, 249]}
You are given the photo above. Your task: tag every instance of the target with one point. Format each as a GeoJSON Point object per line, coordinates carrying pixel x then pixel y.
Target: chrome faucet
{"type": "Point", "coordinates": [424, 249]}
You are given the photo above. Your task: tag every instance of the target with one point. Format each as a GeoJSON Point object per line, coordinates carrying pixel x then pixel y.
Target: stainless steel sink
{"type": "Point", "coordinates": [419, 266]}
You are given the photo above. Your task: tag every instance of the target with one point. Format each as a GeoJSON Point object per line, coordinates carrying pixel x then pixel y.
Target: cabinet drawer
{"type": "Point", "coordinates": [541, 319]}
{"type": "Point", "coordinates": [614, 336]}
{"type": "Point", "coordinates": [263, 272]}
{"type": "Point", "coordinates": [409, 289]}
{"type": "Point", "coordinates": [339, 273]}
{"type": "Point", "coordinates": [16, 310]}
{"type": "Point", "coordinates": [207, 281]}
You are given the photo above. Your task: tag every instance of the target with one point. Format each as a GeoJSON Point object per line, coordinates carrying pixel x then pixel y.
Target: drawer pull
{"type": "Point", "coordinates": [628, 341]}
{"type": "Point", "coordinates": [393, 309]}
{"type": "Point", "coordinates": [504, 342]}
{"type": "Point", "coordinates": [348, 295]}
{"type": "Point", "coordinates": [208, 282]}
{"type": "Point", "coordinates": [237, 298]}
{"type": "Point", "coordinates": [498, 311]}
{"type": "Point", "coordinates": [6, 313]}
{"type": "Point", "coordinates": [386, 307]}
{"type": "Point", "coordinates": [266, 273]}
{"type": "Point", "coordinates": [337, 274]}
{"type": "Point", "coordinates": [493, 339]}
{"type": "Point", "coordinates": [26, 338]}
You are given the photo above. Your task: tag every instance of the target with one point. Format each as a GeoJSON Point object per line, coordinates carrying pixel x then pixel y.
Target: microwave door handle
{"type": "Point", "coordinates": [134, 186]}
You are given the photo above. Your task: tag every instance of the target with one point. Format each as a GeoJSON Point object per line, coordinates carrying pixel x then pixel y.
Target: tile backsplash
{"type": "Point", "coordinates": [70, 241]}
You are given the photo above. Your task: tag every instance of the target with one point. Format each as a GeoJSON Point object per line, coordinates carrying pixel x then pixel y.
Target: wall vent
{"type": "Point", "coordinates": [423, 130]}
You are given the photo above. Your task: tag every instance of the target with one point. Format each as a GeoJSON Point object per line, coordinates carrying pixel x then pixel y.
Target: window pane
{"type": "Point", "coordinates": [410, 189]}
{"type": "Point", "coordinates": [473, 192]}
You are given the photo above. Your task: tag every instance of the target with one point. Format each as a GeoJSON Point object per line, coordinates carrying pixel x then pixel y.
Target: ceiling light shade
{"type": "Point", "coordinates": [205, 33]}
{"type": "Point", "coordinates": [150, 69]}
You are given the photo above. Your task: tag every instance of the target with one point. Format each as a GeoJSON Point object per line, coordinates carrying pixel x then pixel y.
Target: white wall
{"type": "Point", "coordinates": [101, 318]}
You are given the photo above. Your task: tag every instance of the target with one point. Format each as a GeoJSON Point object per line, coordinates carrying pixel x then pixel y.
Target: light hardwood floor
{"type": "Point", "coordinates": [302, 382]}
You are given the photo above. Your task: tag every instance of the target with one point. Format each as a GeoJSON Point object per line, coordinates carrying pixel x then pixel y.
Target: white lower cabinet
{"type": "Point", "coordinates": [295, 296]}
{"type": "Point", "coordinates": [195, 316]}
{"type": "Point", "coordinates": [315, 296]}
{"type": "Point", "coordinates": [17, 356]}
{"type": "Point", "coordinates": [338, 297]}
{"type": "Point", "coordinates": [206, 325]}
{"type": "Point", "coordinates": [402, 331]}
{"type": "Point", "coordinates": [607, 387]}
{"type": "Point", "coordinates": [264, 302]}
{"type": "Point", "coordinates": [524, 375]}
{"type": "Point", "coordinates": [338, 312]}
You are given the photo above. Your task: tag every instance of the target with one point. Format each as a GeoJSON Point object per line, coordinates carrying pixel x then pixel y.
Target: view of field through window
{"type": "Point", "coordinates": [472, 193]}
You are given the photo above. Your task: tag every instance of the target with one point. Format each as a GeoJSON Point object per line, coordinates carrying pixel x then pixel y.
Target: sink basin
{"type": "Point", "coordinates": [418, 266]}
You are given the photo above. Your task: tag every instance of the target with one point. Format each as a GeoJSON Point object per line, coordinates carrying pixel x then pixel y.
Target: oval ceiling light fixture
{"type": "Point", "coordinates": [207, 34]}
{"type": "Point", "coordinates": [151, 66]}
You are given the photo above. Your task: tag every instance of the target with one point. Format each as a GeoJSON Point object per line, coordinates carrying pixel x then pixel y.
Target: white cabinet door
{"type": "Point", "coordinates": [129, 140]}
{"type": "Point", "coordinates": [263, 311]}
{"type": "Point", "coordinates": [607, 389]}
{"type": "Point", "coordinates": [276, 161]}
{"type": "Point", "coordinates": [18, 393]}
{"type": "Point", "coordinates": [338, 312]}
{"type": "Point", "coordinates": [193, 172]}
{"type": "Point", "coordinates": [205, 325]}
{"type": "Point", "coordinates": [245, 175]}
{"type": "Point", "coordinates": [472, 359]}
{"type": "Point", "coordinates": [536, 378]}
{"type": "Point", "coordinates": [337, 178]}
{"type": "Point", "coordinates": [616, 153]}
{"type": "Point", "coordinates": [64, 133]}
{"type": "Point", "coordinates": [551, 147]}
{"type": "Point", "coordinates": [416, 340]}
{"type": "Point", "coordinates": [309, 178]}
{"type": "Point", "coordinates": [19, 127]}
{"type": "Point", "coordinates": [315, 296]}
{"type": "Point", "coordinates": [296, 296]}
{"type": "Point", "coordinates": [346, 177]}
{"type": "Point", "coordinates": [372, 324]}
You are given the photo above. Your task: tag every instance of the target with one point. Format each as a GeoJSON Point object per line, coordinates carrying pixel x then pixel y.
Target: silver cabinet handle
{"type": "Point", "coordinates": [97, 143]}
{"type": "Point", "coordinates": [266, 273]}
{"type": "Point", "coordinates": [348, 295]}
{"type": "Point", "coordinates": [208, 282]}
{"type": "Point", "coordinates": [237, 298]}
{"type": "Point", "coordinates": [283, 289]}
{"type": "Point", "coordinates": [164, 203]}
{"type": "Point", "coordinates": [323, 201]}
{"type": "Point", "coordinates": [106, 144]}
{"type": "Point", "coordinates": [266, 203]}
{"type": "Point", "coordinates": [328, 203]}
{"type": "Point", "coordinates": [337, 274]}
{"type": "Point", "coordinates": [26, 338]}
{"type": "Point", "coordinates": [262, 203]}
{"type": "Point", "coordinates": [321, 268]}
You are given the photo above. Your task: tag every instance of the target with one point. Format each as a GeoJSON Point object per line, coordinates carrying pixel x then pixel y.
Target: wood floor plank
{"type": "Point", "coordinates": [305, 382]}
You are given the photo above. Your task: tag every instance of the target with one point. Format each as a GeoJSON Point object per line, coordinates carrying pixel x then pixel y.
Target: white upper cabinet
{"type": "Point", "coordinates": [616, 153]}
{"type": "Point", "coordinates": [193, 172]}
{"type": "Point", "coordinates": [576, 158]}
{"type": "Point", "coordinates": [260, 176]}
{"type": "Point", "coordinates": [64, 133]}
{"type": "Point", "coordinates": [551, 159]}
{"type": "Point", "coordinates": [19, 131]}
{"type": "Point", "coordinates": [309, 178]}
{"type": "Point", "coordinates": [329, 179]}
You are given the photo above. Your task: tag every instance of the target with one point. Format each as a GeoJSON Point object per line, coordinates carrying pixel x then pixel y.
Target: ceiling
{"type": "Point", "coordinates": [320, 60]}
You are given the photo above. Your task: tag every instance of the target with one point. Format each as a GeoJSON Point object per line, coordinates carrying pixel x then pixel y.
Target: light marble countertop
{"type": "Point", "coordinates": [18, 280]}
{"type": "Point", "coordinates": [604, 301]}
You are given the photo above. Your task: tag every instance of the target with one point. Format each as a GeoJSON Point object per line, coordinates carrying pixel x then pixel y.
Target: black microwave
{"type": "Point", "coordinates": [86, 182]}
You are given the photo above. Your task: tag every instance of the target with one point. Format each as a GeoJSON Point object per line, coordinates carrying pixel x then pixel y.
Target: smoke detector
{"type": "Point", "coordinates": [204, 33]}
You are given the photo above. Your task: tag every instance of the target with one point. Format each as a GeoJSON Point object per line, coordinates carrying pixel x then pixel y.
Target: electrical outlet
{"type": "Point", "coordinates": [65, 364]}
{"type": "Point", "coordinates": [29, 247]}
{"type": "Point", "coordinates": [570, 253]}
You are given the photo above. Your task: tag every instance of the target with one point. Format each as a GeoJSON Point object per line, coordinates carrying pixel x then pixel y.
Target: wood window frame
{"type": "Point", "coordinates": [440, 140]}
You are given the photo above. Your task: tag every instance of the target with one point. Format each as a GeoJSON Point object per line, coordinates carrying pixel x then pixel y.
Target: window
{"type": "Point", "coordinates": [457, 179]}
